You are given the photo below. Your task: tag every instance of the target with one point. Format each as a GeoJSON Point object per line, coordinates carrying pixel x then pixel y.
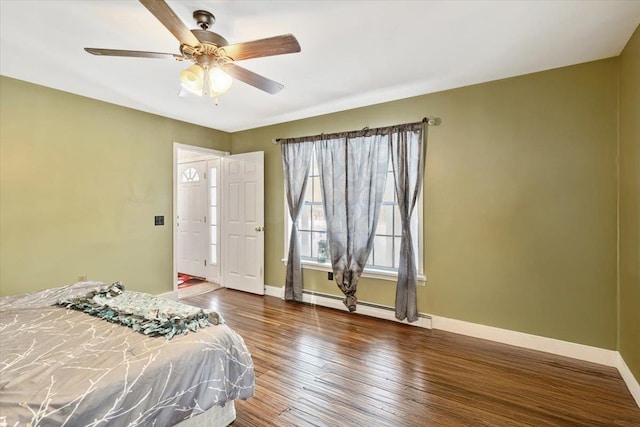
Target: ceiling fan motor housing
{"type": "Point", "coordinates": [204, 19]}
{"type": "Point", "coordinates": [210, 52]}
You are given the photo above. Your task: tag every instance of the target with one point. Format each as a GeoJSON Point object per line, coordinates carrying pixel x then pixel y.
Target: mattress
{"type": "Point", "coordinates": [218, 416]}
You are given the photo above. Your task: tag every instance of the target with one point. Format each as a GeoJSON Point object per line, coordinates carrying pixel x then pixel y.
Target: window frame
{"type": "Point", "coordinates": [369, 271]}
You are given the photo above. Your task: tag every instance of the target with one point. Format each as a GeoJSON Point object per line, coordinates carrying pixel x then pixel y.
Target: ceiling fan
{"type": "Point", "coordinates": [213, 57]}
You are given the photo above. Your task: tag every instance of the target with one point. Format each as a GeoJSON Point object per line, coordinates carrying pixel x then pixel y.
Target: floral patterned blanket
{"type": "Point", "coordinates": [145, 313]}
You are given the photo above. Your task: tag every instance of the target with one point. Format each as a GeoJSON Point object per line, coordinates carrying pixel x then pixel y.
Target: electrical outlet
{"type": "Point", "coordinates": [159, 220]}
{"type": "Point", "coordinates": [330, 276]}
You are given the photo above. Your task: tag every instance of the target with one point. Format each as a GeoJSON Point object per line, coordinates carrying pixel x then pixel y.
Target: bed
{"type": "Point", "coordinates": [63, 367]}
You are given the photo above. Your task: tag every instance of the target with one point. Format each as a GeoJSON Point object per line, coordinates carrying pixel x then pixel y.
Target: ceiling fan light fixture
{"type": "Point", "coordinates": [192, 79]}
{"type": "Point", "coordinates": [204, 81]}
{"type": "Point", "coordinates": [209, 52]}
{"type": "Point", "coordinates": [220, 81]}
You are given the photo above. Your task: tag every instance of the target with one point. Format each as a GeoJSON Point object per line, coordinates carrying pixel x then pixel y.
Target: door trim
{"type": "Point", "coordinates": [177, 146]}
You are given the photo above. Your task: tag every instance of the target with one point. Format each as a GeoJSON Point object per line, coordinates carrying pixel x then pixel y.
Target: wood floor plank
{"type": "Point", "coordinates": [321, 367]}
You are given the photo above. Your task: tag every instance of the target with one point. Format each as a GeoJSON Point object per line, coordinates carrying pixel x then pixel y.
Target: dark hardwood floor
{"type": "Point", "coordinates": [322, 367]}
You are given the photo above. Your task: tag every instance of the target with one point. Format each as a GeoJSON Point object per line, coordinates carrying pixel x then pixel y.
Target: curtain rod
{"type": "Point", "coordinates": [430, 121]}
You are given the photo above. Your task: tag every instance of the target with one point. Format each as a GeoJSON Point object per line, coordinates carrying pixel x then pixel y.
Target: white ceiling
{"type": "Point", "coordinates": [354, 53]}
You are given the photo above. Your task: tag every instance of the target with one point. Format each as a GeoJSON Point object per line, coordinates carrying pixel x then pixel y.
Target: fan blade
{"type": "Point", "coordinates": [278, 45]}
{"type": "Point", "coordinates": [132, 53]}
{"type": "Point", "coordinates": [253, 79]}
{"type": "Point", "coordinates": [171, 21]}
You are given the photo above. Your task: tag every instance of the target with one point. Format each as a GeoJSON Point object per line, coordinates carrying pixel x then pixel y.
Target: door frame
{"type": "Point", "coordinates": [177, 146]}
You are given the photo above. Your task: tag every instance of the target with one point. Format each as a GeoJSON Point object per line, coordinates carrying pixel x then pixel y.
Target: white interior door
{"type": "Point", "coordinates": [243, 229]}
{"type": "Point", "coordinates": [191, 219]}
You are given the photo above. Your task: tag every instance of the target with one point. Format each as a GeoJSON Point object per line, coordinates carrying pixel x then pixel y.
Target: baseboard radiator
{"type": "Point", "coordinates": [364, 308]}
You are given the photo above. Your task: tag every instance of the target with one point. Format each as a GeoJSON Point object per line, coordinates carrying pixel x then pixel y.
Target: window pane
{"type": "Point", "coordinates": [385, 221]}
{"type": "Point", "coordinates": [214, 234]}
{"type": "Point", "coordinates": [305, 244]}
{"type": "Point", "coordinates": [389, 189]}
{"type": "Point", "coordinates": [213, 215]}
{"type": "Point", "coordinates": [313, 192]}
{"type": "Point", "coordinates": [308, 194]}
{"type": "Point", "coordinates": [213, 194]}
{"type": "Point", "coordinates": [371, 260]}
{"type": "Point", "coordinates": [214, 254]}
{"type": "Point", "coordinates": [319, 223]}
{"type": "Point", "coordinates": [321, 250]}
{"type": "Point", "coordinates": [190, 175]}
{"type": "Point", "coordinates": [384, 250]}
{"type": "Point", "coordinates": [397, 223]}
{"type": "Point", "coordinates": [313, 170]}
{"type": "Point", "coordinates": [414, 234]}
{"type": "Point", "coordinates": [396, 252]}
{"type": "Point", "coordinates": [414, 222]}
{"type": "Point", "coordinates": [314, 245]}
{"type": "Point", "coordinates": [317, 190]}
{"type": "Point", "coordinates": [213, 176]}
{"type": "Point", "coordinates": [304, 222]}
{"type": "Point", "coordinates": [317, 239]}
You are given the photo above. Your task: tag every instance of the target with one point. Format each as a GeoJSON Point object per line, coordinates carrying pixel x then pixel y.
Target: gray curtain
{"type": "Point", "coordinates": [407, 156]}
{"type": "Point", "coordinates": [296, 159]}
{"type": "Point", "coordinates": [353, 172]}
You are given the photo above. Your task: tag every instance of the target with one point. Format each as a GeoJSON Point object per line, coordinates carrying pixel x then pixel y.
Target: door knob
{"type": "Point", "coordinates": [259, 228]}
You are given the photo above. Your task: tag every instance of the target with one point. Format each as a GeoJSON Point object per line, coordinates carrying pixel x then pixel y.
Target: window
{"type": "Point", "coordinates": [311, 224]}
{"type": "Point", "coordinates": [384, 257]}
{"type": "Point", "coordinates": [385, 254]}
{"type": "Point", "coordinates": [213, 214]}
{"type": "Point", "coordinates": [190, 175]}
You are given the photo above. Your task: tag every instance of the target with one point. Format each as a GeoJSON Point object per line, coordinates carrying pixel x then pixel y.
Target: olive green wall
{"type": "Point", "coordinates": [81, 181]}
{"type": "Point", "coordinates": [520, 197]}
{"type": "Point", "coordinates": [629, 332]}
{"type": "Point", "coordinates": [520, 201]}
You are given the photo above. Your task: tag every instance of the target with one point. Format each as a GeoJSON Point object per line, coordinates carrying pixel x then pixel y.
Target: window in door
{"type": "Point", "coordinates": [190, 175]}
{"type": "Point", "coordinates": [213, 215]}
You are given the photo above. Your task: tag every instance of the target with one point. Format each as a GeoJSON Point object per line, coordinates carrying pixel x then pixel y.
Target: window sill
{"type": "Point", "coordinates": [367, 273]}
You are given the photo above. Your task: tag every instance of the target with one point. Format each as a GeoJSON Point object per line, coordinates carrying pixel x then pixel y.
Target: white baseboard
{"type": "Point", "coordinates": [533, 342]}
{"type": "Point", "coordinates": [380, 312]}
{"type": "Point", "coordinates": [423, 321]}
{"type": "Point", "coordinates": [274, 291]}
{"type": "Point", "coordinates": [195, 290]}
{"type": "Point", "coordinates": [629, 379]}
{"type": "Point", "coordinates": [173, 295]}
{"type": "Point", "coordinates": [519, 339]}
